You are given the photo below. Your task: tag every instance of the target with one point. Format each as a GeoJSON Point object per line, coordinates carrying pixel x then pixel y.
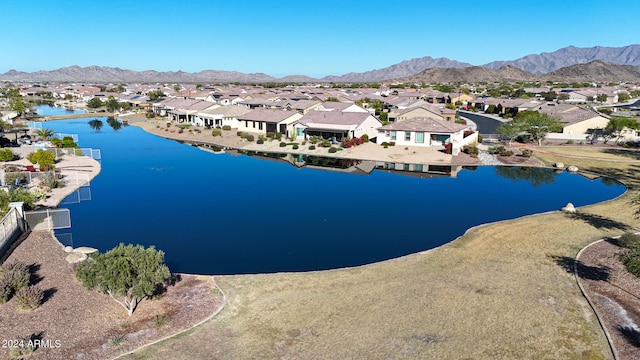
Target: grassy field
{"type": "Point", "coordinates": [501, 291]}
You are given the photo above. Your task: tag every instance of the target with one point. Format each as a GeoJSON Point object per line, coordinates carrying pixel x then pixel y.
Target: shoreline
{"type": "Point", "coordinates": [368, 151]}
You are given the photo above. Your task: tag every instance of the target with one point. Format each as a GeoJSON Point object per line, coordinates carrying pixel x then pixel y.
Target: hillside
{"type": "Point", "coordinates": [548, 62]}
{"type": "Point", "coordinates": [471, 74]}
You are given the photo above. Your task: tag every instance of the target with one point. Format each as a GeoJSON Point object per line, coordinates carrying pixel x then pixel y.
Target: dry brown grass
{"type": "Point", "coordinates": [498, 292]}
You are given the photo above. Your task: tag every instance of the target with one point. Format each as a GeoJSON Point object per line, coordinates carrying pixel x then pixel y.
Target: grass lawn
{"type": "Point", "coordinates": [499, 292]}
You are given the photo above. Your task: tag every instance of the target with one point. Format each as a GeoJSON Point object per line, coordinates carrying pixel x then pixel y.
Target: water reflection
{"type": "Point", "coordinates": [534, 176]}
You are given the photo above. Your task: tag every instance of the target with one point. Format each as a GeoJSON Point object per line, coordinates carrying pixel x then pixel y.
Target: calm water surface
{"type": "Point", "coordinates": [224, 214]}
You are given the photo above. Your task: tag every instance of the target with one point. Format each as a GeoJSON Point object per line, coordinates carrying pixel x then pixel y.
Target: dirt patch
{"type": "Point", "coordinates": [76, 324]}
{"type": "Point", "coordinates": [614, 293]}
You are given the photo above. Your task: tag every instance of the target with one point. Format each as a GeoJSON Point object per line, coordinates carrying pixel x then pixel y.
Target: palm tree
{"type": "Point", "coordinates": [45, 133]}
{"type": "Point", "coordinates": [95, 124]}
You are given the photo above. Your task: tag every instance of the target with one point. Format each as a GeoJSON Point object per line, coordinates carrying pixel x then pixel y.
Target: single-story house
{"type": "Point", "coordinates": [575, 119]}
{"type": "Point", "coordinates": [333, 124]}
{"type": "Point", "coordinates": [221, 116]}
{"type": "Point", "coordinates": [427, 132]}
{"type": "Point", "coordinates": [426, 110]}
{"type": "Point", "coordinates": [263, 121]}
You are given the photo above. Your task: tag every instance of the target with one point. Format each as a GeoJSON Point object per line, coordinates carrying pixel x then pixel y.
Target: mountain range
{"type": "Point", "coordinates": [604, 64]}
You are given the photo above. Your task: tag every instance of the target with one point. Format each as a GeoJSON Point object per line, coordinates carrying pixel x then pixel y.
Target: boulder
{"type": "Point", "coordinates": [572, 168]}
{"type": "Point", "coordinates": [76, 257]}
{"type": "Point", "coordinates": [85, 250]}
{"type": "Point", "coordinates": [569, 208]}
{"type": "Point", "coordinates": [68, 249]}
{"type": "Point", "coordinates": [558, 165]}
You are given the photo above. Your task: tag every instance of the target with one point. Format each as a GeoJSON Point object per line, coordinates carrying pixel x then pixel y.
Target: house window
{"type": "Point", "coordinates": [417, 167]}
{"type": "Point", "coordinates": [392, 166]}
{"type": "Point", "coordinates": [393, 135]}
{"type": "Point", "coordinates": [406, 167]}
{"type": "Point", "coordinates": [420, 137]}
{"type": "Point", "coordinates": [254, 124]}
{"type": "Point", "coordinates": [407, 136]}
{"type": "Point", "coordinates": [260, 125]}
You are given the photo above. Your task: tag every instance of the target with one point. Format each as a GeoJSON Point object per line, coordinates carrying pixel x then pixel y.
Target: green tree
{"type": "Point", "coordinates": [44, 158]}
{"type": "Point", "coordinates": [199, 87]}
{"type": "Point", "coordinates": [177, 88]}
{"type": "Point", "coordinates": [128, 274]}
{"type": "Point", "coordinates": [550, 95]}
{"type": "Point", "coordinates": [537, 124]}
{"type": "Point", "coordinates": [45, 133]}
{"type": "Point", "coordinates": [112, 104]}
{"type": "Point", "coordinates": [602, 97]}
{"type": "Point", "coordinates": [16, 104]}
{"type": "Point", "coordinates": [155, 95]}
{"type": "Point", "coordinates": [510, 129]}
{"type": "Point", "coordinates": [623, 97]}
{"type": "Point", "coordinates": [616, 126]}
{"type": "Point", "coordinates": [94, 103]}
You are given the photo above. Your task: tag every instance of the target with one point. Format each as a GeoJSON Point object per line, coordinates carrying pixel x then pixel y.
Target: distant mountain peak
{"type": "Point", "coordinates": [571, 55]}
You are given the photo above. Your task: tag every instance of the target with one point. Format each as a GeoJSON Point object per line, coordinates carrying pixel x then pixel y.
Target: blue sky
{"type": "Point", "coordinates": [288, 37]}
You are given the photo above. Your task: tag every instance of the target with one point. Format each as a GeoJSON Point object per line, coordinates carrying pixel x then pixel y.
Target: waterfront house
{"type": "Point", "coordinates": [265, 121]}
{"type": "Point", "coordinates": [337, 124]}
{"type": "Point", "coordinates": [425, 110]}
{"type": "Point", "coordinates": [226, 115]}
{"type": "Point", "coordinates": [427, 132]}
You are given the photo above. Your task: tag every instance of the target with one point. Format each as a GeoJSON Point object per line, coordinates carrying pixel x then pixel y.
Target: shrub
{"type": "Point", "coordinates": [471, 150]}
{"type": "Point", "coordinates": [499, 149]}
{"type": "Point", "coordinates": [11, 177]}
{"type": "Point", "coordinates": [160, 320]}
{"type": "Point", "coordinates": [216, 132]}
{"type": "Point", "coordinates": [5, 291]}
{"type": "Point", "coordinates": [270, 134]}
{"type": "Point", "coordinates": [325, 143]}
{"type": "Point", "coordinates": [507, 153]}
{"type": "Point", "coordinates": [180, 131]}
{"type": "Point", "coordinates": [226, 127]}
{"type": "Point", "coordinates": [480, 138]}
{"type": "Point", "coordinates": [6, 154]}
{"type": "Point", "coordinates": [332, 150]}
{"type": "Point", "coordinates": [118, 339]}
{"type": "Point", "coordinates": [629, 241]}
{"type": "Point", "coordinates": [314, 139]}
{"type": "Point", "coordinates": [260, 141]}
{"type": "Point", "coordinates": [278, 136]}
{"type": "Point", "coordinates": [16, 275]}
{"type": "Point", "coordinates": [30, 298]}
{"type": "Point", "coordinates": [365, 137]}
{"type": "Point", "coordinates": [312, 147]}
{"type": "Point", "coordinates": [249, 137]}
{"type": "Point", "coordinates": [26, 348]}
{"type": "Point", "coordinates": [50, 179]}
{"type": "Point", "coordinates": [168, 124]}
{"type": "Point", "coordinates": [283, 144]}
{"type": "Point", "coordinates": [392, 143]}
{"type": "Point", "coordinates": [570, 142]}
{"type": "Point", "coordinates": [239, 133]}
{"type": "Point", "coordinates": [295, 147]}
{"type": "Point", "coordinates": [526, 152]}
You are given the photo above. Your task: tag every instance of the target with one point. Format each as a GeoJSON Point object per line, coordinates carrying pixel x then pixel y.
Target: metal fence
{"type": "Point", "coordinates": [82, 194]}
{"type": "Point", "coordinates": [89, 152]}
{"type": "Point", "coordinates": [49, 219]}
{"type": "Point", "coordinates": [66, 239]}
{"type": "Point", "coordinates": [10, 228]}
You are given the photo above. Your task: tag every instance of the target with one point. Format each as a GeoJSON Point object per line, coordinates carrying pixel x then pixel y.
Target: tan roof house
{"type": "Point", "coordinates": [334, 124]}
{"type": "Point", "coordinates": [426, 132]}
{"type": "Point", "coordinates": [264, 121]}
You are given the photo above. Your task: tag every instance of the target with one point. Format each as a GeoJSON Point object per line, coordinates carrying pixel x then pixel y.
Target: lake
{"type": "Point", "coordinates": [233, 213]}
